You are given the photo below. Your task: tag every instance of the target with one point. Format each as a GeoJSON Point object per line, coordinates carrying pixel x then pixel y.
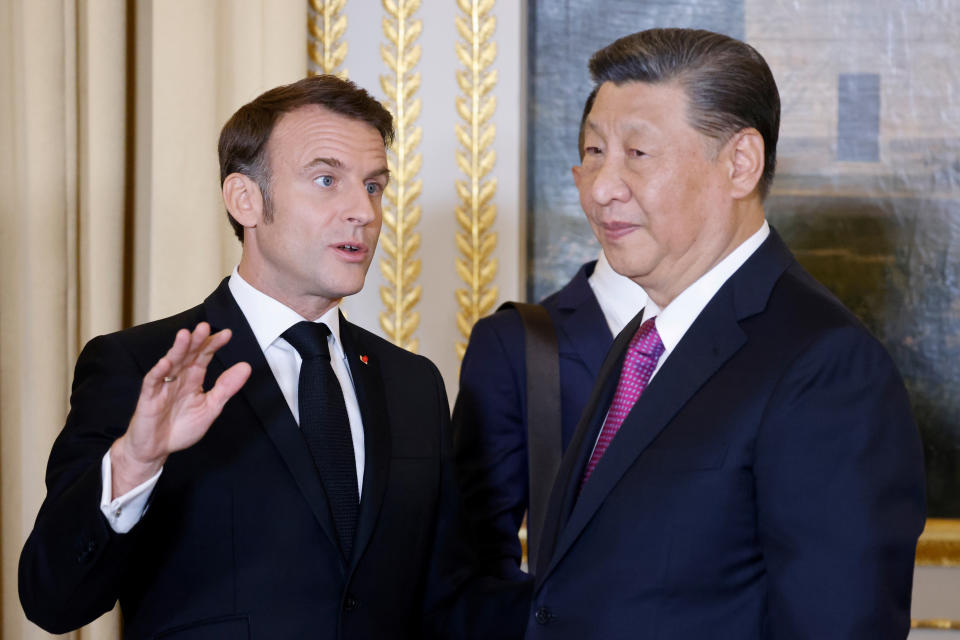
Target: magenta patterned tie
{"type": "Point", "coordinates": [643, 353]}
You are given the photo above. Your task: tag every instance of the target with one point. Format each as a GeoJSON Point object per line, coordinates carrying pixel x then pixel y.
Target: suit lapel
{"type": "Point", "coordinates": [263, 395]}
{"type": "Point", "coordinates": [368, 382]}
{"type": "Point", "coordinates": [695, 360]}
{"type": "Point", "coordinates": [566, 486]}
{"type": "Point", "coordinates": [710, 341]}
{"type": "Point", "coordinates": [582, 323]}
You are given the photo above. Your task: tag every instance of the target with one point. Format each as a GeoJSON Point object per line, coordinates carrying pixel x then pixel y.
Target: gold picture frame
{"type": "Point", "coordinates": [939, 544]}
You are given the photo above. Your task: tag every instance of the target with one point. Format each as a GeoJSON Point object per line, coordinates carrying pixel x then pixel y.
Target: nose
{"type": "Point", "coordinates": [608, 184]}
{"type": "Point", "coordinates": [364, 208]}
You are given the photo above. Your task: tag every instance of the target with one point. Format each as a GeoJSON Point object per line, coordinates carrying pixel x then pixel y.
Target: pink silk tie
{"type": "Point", "coordinates": [643, 353]}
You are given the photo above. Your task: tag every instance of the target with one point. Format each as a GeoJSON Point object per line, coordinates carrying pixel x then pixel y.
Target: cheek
{"type": "Point", "coordinates": [585, 188]}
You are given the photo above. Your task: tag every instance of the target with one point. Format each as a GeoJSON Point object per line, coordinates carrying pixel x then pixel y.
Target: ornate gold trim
{"type": "Point", "coordinates": [476, 213]}
{"type": "Point", "coordinates": [401, 213]}
{"type": "Point", "coordinates": [325, 26]}
{"type": "Point", "coordinates": [935, 624]}
{"type": "Point", "coordinates": [939, 544]}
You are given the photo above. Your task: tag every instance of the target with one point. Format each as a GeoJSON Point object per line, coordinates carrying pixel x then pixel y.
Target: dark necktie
{"type": "Point", "coordinates": [643, 353]}
{"type": "Point", "coordinates": [326, 428]}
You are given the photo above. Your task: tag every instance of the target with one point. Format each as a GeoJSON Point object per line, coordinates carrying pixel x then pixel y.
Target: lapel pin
{"type": "Point", "coordinates": [364, 359]}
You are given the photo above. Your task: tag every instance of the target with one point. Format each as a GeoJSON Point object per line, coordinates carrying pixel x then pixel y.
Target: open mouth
{"type": "Point", "coordinates": [352, 248]}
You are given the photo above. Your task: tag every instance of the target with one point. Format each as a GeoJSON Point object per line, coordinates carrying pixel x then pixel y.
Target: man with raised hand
{"type": "Point", "coordinates": [278, 472]}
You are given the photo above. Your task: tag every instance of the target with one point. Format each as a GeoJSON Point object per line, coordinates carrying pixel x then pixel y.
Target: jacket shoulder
{"type": "Point", "coordinates": [147, 342]}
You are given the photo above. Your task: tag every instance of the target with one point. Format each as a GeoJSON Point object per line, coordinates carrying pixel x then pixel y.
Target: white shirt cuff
{"type": "Point", "coordinates": [124, 513]}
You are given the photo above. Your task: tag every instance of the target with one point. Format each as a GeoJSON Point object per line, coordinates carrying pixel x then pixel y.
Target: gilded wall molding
{"type": "Point", "coordinates": [935, 624]}
{"type": "Point", "coordinates": [939, 545]}
{"type": "Point", "coordinates": [476, 212]}
{"type": "Point", "coordinates": [325, 26]}
{"type": "Point", "coordinates": [401, 212]}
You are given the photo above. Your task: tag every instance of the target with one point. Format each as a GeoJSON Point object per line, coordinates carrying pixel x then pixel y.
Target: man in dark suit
{"type": "Point", "coordinates": [490, 418]}
{"type": "Point", "coordinates": [278, 472]}
{"type": "Point", "coordinates": [747, 465]}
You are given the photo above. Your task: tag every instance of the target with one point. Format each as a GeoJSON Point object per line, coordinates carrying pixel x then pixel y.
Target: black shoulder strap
{"type": "Point", "coordinates": [544, 423]}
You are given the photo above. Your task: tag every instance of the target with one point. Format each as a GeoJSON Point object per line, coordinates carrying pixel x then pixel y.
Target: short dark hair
{"type": "Point", "coordinates": [243, 140]}
{"type": "Point", "coordinates": [728, 84]}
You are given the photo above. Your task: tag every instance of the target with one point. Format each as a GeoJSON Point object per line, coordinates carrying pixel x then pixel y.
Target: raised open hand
{"type": "Point", "coordinates": [173, 411]}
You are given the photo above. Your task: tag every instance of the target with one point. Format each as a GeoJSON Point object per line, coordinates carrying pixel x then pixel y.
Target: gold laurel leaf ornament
{"type": "Point", "coordinates": [325, 27]}
{"type": "Point", "coordinates": [400, 241]}
{"type": "Point", "coordinates": [476, 213]}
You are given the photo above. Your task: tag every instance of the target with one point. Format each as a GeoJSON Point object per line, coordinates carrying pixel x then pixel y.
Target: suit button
{"type": "Point", "coordinates": [351, 604]}
{"type": "Point", "coordinates": [543, 615]}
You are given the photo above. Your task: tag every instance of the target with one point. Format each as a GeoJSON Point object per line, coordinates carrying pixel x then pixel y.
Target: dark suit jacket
{"type": "Point", "coordinates": [238, 540]}
{"type": "Point", "coordinates": [767, 484]}
{"type": "Point", "coordinates": [490, 416]}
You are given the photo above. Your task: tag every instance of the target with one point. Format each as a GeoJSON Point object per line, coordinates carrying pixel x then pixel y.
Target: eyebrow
{"type": "Point", "coordinates": [337, 164]}
{"type": "Point", "coordinates": [316, 162]}
{"type": "Point", "coordinates": [631, 127]}
{"type": "Point", "coordinates": [385, 172]}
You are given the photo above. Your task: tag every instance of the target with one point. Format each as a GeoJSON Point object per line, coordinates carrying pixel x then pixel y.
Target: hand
{"type": "Point", "coordinates": [173, 412]}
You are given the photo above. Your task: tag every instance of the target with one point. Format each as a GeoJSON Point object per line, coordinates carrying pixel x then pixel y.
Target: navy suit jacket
{"type": "Point", "coordinates": [490, 416]}
{"type": "Point", "coordinates": [768, 484]}
{"type": "Point", "coordinates": [238, 540]}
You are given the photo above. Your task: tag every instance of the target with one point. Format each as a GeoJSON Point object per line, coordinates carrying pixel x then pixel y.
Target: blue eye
{"type": "Point", "coordinates": [373, 188]}
{"type": "Point", "coordinates": [325, 181]}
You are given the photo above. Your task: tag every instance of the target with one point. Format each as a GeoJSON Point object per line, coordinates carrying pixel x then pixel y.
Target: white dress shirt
{"type": "Point", "coordinates": [620, 298]}
{"type": "Point", "coordinates": [676, 318]}
{"type": "Point", "coordinates": [268, 318]}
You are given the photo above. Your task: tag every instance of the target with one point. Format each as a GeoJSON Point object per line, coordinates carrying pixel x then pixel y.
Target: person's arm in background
{"type": "Point", "coordinates": [490, 441]}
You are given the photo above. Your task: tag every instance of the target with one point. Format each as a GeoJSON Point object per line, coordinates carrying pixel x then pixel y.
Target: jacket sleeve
{"type": "Point", "coordinates": [490, 441]}
{"type": "Point", "coordinates": [72, 562]}
{"type": "Point", "coordinates": [462, 599]}
{"type": "Point", "coordinates": [840, 493]}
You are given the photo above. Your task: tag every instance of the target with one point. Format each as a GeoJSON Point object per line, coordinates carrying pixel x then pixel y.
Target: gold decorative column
{"type": "Point", "coordinates": [401, 213]}
{"type": "Point", "coordinates": [476, 211]}
{"type": "Point", "coordinates": [325, 26]}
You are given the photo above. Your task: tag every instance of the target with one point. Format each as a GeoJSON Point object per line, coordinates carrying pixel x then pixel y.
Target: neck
{"type": "Point", "coordinates": [665, 290]}
{"type": "Point", "coordinates": [307, 306]}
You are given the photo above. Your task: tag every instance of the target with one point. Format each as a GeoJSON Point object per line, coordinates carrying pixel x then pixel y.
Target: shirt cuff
{"type": "Point", "coordinates": [125, 512]}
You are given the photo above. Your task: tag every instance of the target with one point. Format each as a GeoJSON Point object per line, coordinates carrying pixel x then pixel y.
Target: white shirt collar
{"type": "Point", "coordinates": [620, 298]}
{"type": "Point", "coordinates": [269, 317]}
{"type": "Point", "coordinates": [674, 320]}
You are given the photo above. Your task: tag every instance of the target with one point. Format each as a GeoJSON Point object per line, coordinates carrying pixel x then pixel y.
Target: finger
{"type": "Point", "coordinates": [229, 382]}
{"type": "Point", "coordinates": [166, 365]}
{"type": "Point", "coordinates": [211, 346]}
{"type": "Point", "coordinates": [153, 381]}
{"type": "Point", "coordinates": [198, 337]}
{"type": "Point", "coordinates": [197, 370]}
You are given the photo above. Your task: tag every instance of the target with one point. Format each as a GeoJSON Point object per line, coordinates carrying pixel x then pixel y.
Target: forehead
{"type": "Point", "coordinates": [306, 133]}
{"type": "Point", "coordinates": [640, 107]}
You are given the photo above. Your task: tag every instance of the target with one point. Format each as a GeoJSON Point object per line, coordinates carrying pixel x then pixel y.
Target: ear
{"type": "Point", "coordinates": [242, 198]}
{"type": "Point", "coordinates": [576, 170]}
{"type": "Point", "coordinates": [746, 162]}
